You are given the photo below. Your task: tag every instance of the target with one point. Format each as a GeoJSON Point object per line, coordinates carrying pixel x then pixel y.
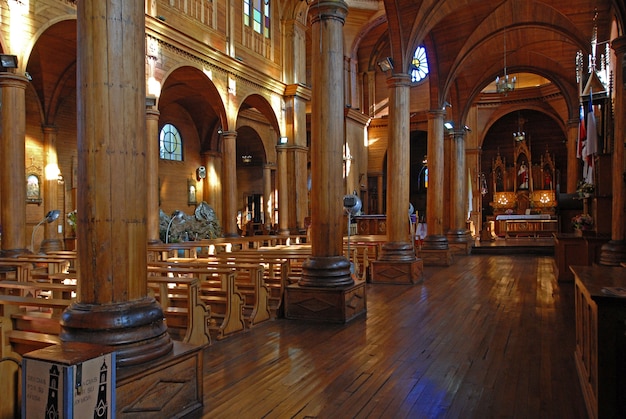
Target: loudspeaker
{"type": "Point", "coordinates": [201, 172]}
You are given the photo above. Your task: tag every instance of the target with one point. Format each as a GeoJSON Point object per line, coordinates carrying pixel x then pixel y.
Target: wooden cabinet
{"type": "Point", "coordinates": [371, 224]}
{"type": "Point", "coordinates": [601, 340]}
{"type": "Point", "coordinates": [570, 249]}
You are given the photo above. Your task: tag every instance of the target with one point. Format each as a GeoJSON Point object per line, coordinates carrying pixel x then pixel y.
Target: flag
{"type": "Point", "coordinates": [591, 145]}
{"type": "Point", "coordinates": [582, 133]}
{"type": "Point", "coordinates": [592, 133]}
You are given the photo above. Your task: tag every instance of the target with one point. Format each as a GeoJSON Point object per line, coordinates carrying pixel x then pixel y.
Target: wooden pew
{"type": "Point", "coordinates": [248, 280]}
{"type": "Point", "coordinates": [217, 290]}
{"type": "Point", "coordinates": [43, 311]}
{"type": "Point", "coordinates": [275, 276]}
{"type": "Point", "coordinates": [196, 315]}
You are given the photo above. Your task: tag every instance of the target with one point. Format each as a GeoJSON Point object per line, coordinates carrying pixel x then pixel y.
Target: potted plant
{"type": "Point", "coordinates": [71, 220]}
{"type": "Point", "coordinates": [582, 222]}
{"type": "Point", "coordinates": [584, 189]}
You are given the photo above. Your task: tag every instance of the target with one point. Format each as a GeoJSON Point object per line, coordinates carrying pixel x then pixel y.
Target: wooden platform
{"type": "Point", "coordinates": [489, 336]}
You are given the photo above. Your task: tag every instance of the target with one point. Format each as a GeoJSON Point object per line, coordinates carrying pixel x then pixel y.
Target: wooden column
{"type": "Point", "coordinates": [212, 184]}
{"type": "Point", "coordinates": [327, 266]}
{"type": "Point", "coordinates": [51, 240]}
{"type": "Point", "coordinates": [380, 184]}
{"type": "Point", "coordinates": [614, 252]}
{"type": "Point", "coordinates": [268, 201]}
{"type": "Point", "coordinates": [282, 175]}
{"type": "Point", "coordinates": [573, 163]}
{"type": "Point", "coordinates": [435, 195]}
{"type": "Point", "coordinates": [458, 236]}
{"type": "Point", "coordinates": [326, 274]}
{"type": "Point", "coordinates": [397, 262]}
{"type": "Point", "coordinates": [229, 182]}
{"type": "Point", "coordinates": [13, 167]}
{"type": "Point", "coordinates": [435, 249]}
{"type": "Point", "coordinates": [152, 174]}
{"type": "Point", "coordinates": [112, 306]}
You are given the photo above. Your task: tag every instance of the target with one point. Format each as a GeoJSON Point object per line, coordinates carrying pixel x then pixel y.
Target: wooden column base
{"type": "Point", "coordinates": [460, 242]}
{"type": "Point", "coordinates": [169, 387]}
{"type": "Point", "coordinates": [613, 253]}
{"type": "Point", "coordinates": [436, 257]}
{"type": "Point", "coordinates": [51, 245]}
{"type": "Point", "coordinates": [397, 272]}
{"type": "Point", "coordinates": [325, 304]}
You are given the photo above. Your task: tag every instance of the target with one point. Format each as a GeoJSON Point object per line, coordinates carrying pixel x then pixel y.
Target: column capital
{"type": "Point", "coordinates": [398, 80]}
{"type": "Point", "coordinates": [229, 134]}
{"type": "Point", "coordinates": [152, 113]}
{"type": "Point", "coordinates": [49, 129]}
{"type": "Point", "coordinates": [327, 10]}
{"type": "Point", "coordinates": [13, 80]}
{"type": "Point", "coordinates": [298, 90]}
{"type": "Point", "coordinates": [436, 113]}
{"type": "Point", "coordinates": [619, 45]}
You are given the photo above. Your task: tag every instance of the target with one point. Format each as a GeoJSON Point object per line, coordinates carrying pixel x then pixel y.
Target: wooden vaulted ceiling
{"type": "Point", "coordinates": [465, 40]}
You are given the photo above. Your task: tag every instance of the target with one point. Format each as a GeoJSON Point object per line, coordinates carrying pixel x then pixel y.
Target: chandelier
{"type": "Point", "coordinates": [505, 84]}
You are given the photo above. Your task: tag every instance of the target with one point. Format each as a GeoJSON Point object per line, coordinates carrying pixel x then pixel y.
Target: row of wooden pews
{"type": "Point", "coordinates": [217, 288]}
{"type": "Point", "coordinates": [32, 300]}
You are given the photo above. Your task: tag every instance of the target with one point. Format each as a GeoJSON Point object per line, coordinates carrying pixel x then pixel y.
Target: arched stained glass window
{"type": "Point", "coordinates": [256, 14]}
{"type": "Point", "coordinates": [170, 143]}
{"type": "Point", "coordinates": [419, 65]}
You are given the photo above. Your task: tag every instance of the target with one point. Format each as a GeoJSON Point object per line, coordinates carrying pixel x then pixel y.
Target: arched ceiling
{"type": "Point", "coordinates": [465, 40]}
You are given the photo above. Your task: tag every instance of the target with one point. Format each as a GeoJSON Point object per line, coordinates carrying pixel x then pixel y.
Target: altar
{"type": "Point", "coordinates": [524, 199]}
{"type": "Point", "coordinates": [531, 225]}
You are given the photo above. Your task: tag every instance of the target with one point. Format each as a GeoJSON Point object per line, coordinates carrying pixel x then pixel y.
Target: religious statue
{"type": "Point", "coordinates": [522, 176]}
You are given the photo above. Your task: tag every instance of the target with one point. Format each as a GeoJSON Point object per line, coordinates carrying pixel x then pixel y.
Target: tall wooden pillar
{"type": "Point", "coordinates": [326, 291]}
{"type": "Point", "coordinates": [380, 185]}
{"type": "Point", "coordinates": [435, 250]}
{"type": "Point", "coordinates": [458, 236]}
{"type": "Point", "coordinates": [212, 184]}
{"type": "Point", "coordinates": [282, 175]}
{"type": "Point", "coordinates": [614, 252]}
{"type": "Point", "coordinates": [152, 174]}
{"type": "Point", "coordinates": [51, 240]}
{"type": "Point", "coordinates": [229, 180]}
{"type": "Point", "coordinates": [13, 167]}
{"type": "Point", "coordinates": [268, 201]}
{"type": "Point", "coordinates": [112, 306]}
{"type": "Point", "coordinates": [573, 162]}
{"type": "Point", "coordinates": [397, 262]}
{"type": "Point", "coordinates": [296, 96]}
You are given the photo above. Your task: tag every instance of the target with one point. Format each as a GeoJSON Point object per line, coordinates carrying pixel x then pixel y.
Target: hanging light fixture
{"type": "Point", "coordinates": [520, 135]}
{"type": "Point", "coordinates": [505, 84]}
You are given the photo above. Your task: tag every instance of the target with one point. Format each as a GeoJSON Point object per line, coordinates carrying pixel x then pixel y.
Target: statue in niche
{"type": "Point", "coordinates": [522, 176]}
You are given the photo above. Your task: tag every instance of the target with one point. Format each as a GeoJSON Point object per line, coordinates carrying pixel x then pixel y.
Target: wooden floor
{"type": "Point", "coordinates": [489, 337]}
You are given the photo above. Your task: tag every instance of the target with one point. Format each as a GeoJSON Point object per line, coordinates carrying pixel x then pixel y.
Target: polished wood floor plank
{"type": "Point", "coordinates": [488, 337]}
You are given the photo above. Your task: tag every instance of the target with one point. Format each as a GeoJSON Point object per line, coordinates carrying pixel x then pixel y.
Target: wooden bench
{"type": "Point", "coordinates": [196, 316]}
{"type": "Point", "coordinates": [217, 290]}
{"type": "Point", "coordinates": [250, 282]}
{"type": "Point", "coordinates": [40, 322]}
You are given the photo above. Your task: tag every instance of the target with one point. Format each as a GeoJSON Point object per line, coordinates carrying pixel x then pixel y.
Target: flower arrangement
{"type": "Point", "coordinates": [72, 217]}
{"type": "Point", "coordinates": [582, 222]}
{"type": "Point", "coordinates": [584, 189]}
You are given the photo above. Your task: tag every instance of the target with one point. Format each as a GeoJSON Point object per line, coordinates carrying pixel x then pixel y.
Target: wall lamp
{"type": "Point", "coordinates": [386, 64]}
{"type": "Point", "coordinates": [50, 217]}
{"type": "Point", "coordinates": [449, 125]}
{"type": "Point", "coordinates": [8, 61]}
{"type": "Point", "coordinates": [177, 214]}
